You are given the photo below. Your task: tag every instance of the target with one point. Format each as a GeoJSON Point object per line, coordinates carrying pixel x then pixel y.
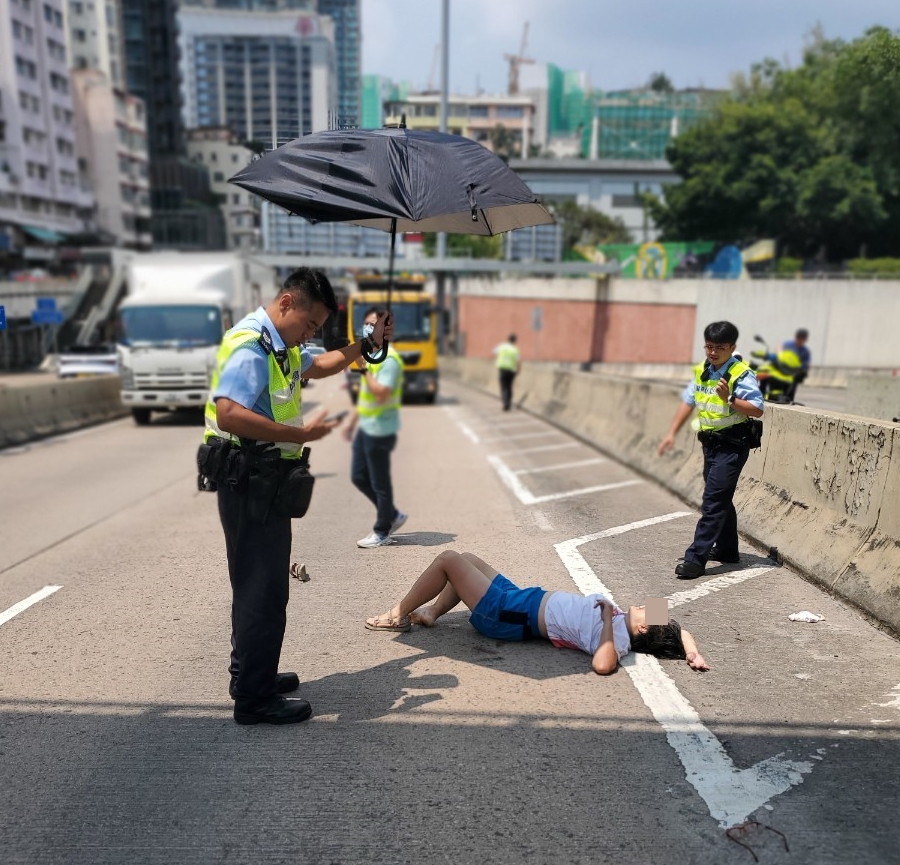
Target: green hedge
{"type": "Point", "coordinates": [788, 266]}
{"type": "Point", "coordinates": [874, 266]}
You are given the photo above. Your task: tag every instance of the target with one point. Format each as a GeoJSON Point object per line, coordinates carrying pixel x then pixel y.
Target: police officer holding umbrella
{"type": "Point", "coordinates": [254, 455]}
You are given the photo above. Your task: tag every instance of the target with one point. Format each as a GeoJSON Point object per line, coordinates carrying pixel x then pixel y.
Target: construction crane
{"type": "Point", "coordinates": [515, 60]}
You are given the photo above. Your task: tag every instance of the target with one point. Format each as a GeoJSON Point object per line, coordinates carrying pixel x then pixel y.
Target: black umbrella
{"type": "Point", "coordinates": [395, 180]}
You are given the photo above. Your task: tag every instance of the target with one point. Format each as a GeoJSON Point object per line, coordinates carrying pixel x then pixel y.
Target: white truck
{"type": "Point", "coordinates": [171, 321]}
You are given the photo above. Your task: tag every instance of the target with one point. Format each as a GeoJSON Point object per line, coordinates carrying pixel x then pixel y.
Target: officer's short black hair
{"type": "Point", "coordinates": [663, 641]}
{"type": "Point", "coordinates": [723, 332]}
{"type": "Point", "coordinates": [802, 333]}
{"type": "Point", "coordinates": [308, 286]}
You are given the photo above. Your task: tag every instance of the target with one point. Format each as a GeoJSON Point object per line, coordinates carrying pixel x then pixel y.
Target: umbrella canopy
{"type": "Point", "coordinates": [395, 180]}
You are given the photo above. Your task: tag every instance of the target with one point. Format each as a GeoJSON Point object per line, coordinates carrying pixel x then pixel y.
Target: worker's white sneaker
{"type": "Point", "coordinates": [399, 520]}
{"type": "Point", "coordinates": [374, 540]}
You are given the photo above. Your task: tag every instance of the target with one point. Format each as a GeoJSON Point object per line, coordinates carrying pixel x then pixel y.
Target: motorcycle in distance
{"type": "Point", "coordinates": [778, 374]}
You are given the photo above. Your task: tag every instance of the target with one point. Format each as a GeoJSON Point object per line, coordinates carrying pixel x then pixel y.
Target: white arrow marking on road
{"type": "Point", "coordinates": [730, 794]}
{"type": "Point", "coordinates": [15, 609]}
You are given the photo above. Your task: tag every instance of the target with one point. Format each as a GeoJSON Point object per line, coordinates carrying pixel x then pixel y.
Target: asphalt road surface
{"type": "Point", "coordinates": [117, 743]}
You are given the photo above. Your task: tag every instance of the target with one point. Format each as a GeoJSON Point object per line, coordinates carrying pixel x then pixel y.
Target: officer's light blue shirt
{"type": "Point", "coordinates": [245, 379]}
{"type": "Point", "coordinates": [387, 422]}
{"type": "Point", "coordinates": [746, 387]}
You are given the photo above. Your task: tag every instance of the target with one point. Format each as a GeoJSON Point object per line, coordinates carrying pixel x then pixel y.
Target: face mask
{"type": "Point", "coordinates": [368, 330]}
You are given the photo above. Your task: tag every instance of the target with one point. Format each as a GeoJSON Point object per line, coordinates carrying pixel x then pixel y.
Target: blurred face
{"type": "Point", "coordinates": [297, 325]}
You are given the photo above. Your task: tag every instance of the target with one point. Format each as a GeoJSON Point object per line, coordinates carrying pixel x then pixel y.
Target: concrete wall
{"type": "Point", "coordinates": [43, 409]}
{"type": "Point", "coordinates": [852, 323]}
{"type": "Point", "coordinates": [822, 488]}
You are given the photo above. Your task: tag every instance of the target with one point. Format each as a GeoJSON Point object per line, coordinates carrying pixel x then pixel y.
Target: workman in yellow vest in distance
{"type": "Point", "coordinates": [509, 362]}
{"type": "Point", "coordinates": [376, 423]}
{"type": "Point", "coordinates": [253, 455]}
{"type": "Point", "coordinates": [727, 396]}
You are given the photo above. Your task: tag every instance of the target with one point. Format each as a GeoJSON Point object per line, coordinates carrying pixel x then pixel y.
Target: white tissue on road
{"type": "Point", "coordinates": [805, 616]}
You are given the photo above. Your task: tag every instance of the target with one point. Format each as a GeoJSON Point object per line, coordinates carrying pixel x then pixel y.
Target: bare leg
{"type": "Point", "coordinates": [450, 578]}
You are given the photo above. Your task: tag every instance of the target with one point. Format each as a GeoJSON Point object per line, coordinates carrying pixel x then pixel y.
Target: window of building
{"type": "Point", "coordinates": [235, 198]}
{"type": "Point", "coordinates": [76, 7]}
{"type": "Point", "coordinates": [218, 177]}
{"type": "Point", "coordinates": [510, 111]}
{"type": "Point", "coordinates": [478, 111]}
{"type": "Point", "coordinates": [79, 35]}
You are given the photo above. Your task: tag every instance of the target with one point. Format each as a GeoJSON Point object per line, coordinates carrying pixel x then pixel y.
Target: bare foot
{"type": "Point", "coordinates": [423, 616]}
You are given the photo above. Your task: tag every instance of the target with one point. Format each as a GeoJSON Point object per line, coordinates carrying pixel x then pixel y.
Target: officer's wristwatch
{"type": "Point", "coordinates": [731, 399]}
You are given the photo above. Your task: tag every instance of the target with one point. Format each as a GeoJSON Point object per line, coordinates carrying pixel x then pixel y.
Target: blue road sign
{"type": "Point", "coordinates": [2, 318]}
{"type": "Point", "coordinates": [46, 303]}
{"type": "Point", "coordinates": [46, 316]}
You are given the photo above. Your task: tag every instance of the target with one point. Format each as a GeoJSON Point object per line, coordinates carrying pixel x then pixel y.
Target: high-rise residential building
{"type": "Point", "coordinates": [218, 149]}
{"type": "Point", "coordinates": [94, 30]}
{"type": "Point", "coordinates": [266, 76]}
{"type": "Point", "coordinates": [348, 58]}
{"type": "Point", "coordinates": [111, 137]}
{"type": "Point", "coordinates": [43, 194]}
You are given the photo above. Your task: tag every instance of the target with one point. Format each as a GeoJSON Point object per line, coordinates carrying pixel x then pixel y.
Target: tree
{"type": "Point", "coordinates": [660, 83]}
{"type": "Point", "coordinates": [467, 245]}
{"type": "Point", "coordinates": [504, 143]}
{"type": "Point", "coordinates": [586, 226]}
{"type": "Point", "coordinates": [808, 156]}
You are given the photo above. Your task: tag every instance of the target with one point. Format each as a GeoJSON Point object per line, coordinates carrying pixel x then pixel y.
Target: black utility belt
{"type": "Point", "coordinates": [746, 434]}
{"type": "Point", "coordinates": [271, 483]}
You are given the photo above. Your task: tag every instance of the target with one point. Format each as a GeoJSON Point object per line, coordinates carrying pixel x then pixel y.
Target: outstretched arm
{"type": "Point", "coordinates": [694, 658]}
{"type": "Point", "coordinates": [681, 415]}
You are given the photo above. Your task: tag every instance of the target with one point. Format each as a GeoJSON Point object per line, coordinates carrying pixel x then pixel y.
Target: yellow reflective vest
{"type": "Point", "coordinates": [508, 356]}
{"type": "Point", "coordinates": [714, 412]}
{"type": "Point", "coordinates": [366, 403]}
{"type": "Point", "coordinates": [284, 389]}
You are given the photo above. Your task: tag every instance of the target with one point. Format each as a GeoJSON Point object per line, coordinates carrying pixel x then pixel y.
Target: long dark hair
{"type": "Point", "coordinates": [663, 641]}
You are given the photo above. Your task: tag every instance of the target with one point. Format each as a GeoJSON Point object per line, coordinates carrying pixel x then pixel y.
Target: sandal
{"type": "Point", "coordinates": [387, 622]}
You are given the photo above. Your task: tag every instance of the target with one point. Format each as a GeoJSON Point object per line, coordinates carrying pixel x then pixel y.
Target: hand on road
{"type": "Point", "coordinates": [696, 662]}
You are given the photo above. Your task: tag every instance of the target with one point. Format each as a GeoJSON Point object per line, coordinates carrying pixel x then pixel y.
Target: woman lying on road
{"type": "Point", "coordinates": [501, 610]}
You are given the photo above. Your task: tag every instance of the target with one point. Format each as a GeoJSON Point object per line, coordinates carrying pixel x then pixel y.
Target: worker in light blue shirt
{"type": "Point", "coordinates": [726, 396]}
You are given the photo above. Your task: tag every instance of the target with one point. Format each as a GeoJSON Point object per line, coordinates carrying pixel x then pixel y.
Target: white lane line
{"type": "Point", "coordinates": [536, 435]}
{"type": "Point", "coordinates": [539, 450]}
{"type": "Point", "coordinates": [559, 466]}
{"type": "Point", "coordinates": [541, 521]}
{"type": "Point", "coordinates": [730, 794]}
{"type": "Point", "coordinates": [524, 495]}
{"type": "Point", "coordinates": [15, 609]}
{"type": "Point", "coordinates": [716, 585]}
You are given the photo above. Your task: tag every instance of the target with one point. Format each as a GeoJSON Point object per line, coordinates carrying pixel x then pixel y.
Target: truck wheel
{"type": "Point", "coordinates": [429, 399]}
{"type": "Point", "coordinates": [141, 416]}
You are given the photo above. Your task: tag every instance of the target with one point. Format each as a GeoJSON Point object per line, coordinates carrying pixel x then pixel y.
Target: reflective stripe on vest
{"type": "Point", "coordinates": [714, 412]}
{"type": "Point", "coordinates": [507, 356]}
{"type": "Point", "coordinates": [788, 363]}
{"type": "Point", "coordinates": [284, 390]}
{"type": "Point", "coordinates": [366, 404]}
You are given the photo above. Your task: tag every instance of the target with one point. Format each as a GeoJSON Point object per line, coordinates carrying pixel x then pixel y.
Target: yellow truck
{"type": "Point", "coordinates": [415, 330]}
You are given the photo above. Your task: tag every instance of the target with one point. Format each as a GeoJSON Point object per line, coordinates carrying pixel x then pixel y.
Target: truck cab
{"type": "Point", "coordinates": [415, 331]}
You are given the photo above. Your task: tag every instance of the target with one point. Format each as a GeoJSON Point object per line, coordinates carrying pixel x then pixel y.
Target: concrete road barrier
{"type": "Point", "coordinates": [822, 488]}
{"type": "Point", "coordinates": [38, 409]}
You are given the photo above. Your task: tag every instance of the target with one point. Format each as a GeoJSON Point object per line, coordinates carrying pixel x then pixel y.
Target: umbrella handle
{"type": "Point", "coordinates": [378, 357]}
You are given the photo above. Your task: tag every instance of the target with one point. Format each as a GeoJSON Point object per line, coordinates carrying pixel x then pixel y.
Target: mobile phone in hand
{"type": "Point", "coordinates": [337, 418]}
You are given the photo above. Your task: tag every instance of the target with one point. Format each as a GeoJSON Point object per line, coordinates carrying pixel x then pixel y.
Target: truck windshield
{"type": "Point", "coordinates": [412, 323]}
{"type": "Point", "coordinates": [174, 325]}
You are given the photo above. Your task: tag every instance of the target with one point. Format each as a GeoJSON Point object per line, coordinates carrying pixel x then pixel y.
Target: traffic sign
{"type": "Point", "coordinates": [2, 318]}
{"type": "Point", "coordinates": [47, 304]}
{"type": "Point", "coordinates": [46, 316]}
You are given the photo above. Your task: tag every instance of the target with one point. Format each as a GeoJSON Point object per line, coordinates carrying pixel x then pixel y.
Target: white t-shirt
{"type": "Point", "coordinates": [573, 622]}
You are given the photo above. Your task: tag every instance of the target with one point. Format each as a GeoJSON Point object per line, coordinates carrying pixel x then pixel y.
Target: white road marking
{"type": "Point", "coordinates": [540, 519]}
{"type": "Point", "coordinates": [538, 450]}
{"type": "Point", "coordinates": [551, 432]}
{"type": "Point", "coordinates": [716, 585]}
{"type": "Point", "coordinates": [527, 498]}
{"type": "Point", "coordinates": [560, 466]}
{"type": "Point", "coordinates": [730, 794]}
{"type": "Point", "coordinates": [15, 609]}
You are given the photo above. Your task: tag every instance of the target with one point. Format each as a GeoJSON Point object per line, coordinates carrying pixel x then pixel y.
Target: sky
{"type": "Point", "coordinates": [618, 43]}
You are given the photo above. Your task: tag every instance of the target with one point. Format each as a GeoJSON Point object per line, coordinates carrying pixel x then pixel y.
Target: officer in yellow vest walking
{"type": "Point", "coordinates": [726, 395]}
{"type": "Point", "coordinates": [253, 454]}
{"type": "Point", "coordinates": [509, 362]}
{"type": "Point", "coordinates": [376, 422]}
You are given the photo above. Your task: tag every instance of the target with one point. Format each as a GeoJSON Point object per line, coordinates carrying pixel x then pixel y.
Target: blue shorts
{"type": "Point", "coordinates": [507, 612]}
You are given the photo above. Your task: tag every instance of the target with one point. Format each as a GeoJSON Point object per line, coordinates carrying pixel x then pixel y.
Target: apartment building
{"type": "Point", "coordinates": [44, 192]}
{"type": "Point", "coordinates": [111, 135]}
{"type": "Point", "coordinates": [217, 148]}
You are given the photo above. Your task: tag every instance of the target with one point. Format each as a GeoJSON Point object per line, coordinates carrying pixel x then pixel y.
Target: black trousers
{"type": "Point", "coordinates": [370, 472]}
{"type": "Point", "coordinates": [259, 557]}
{"type": "Point", "coordinates": [722, 465]}
{"type": "Point", "coordinates": [506, 387]}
